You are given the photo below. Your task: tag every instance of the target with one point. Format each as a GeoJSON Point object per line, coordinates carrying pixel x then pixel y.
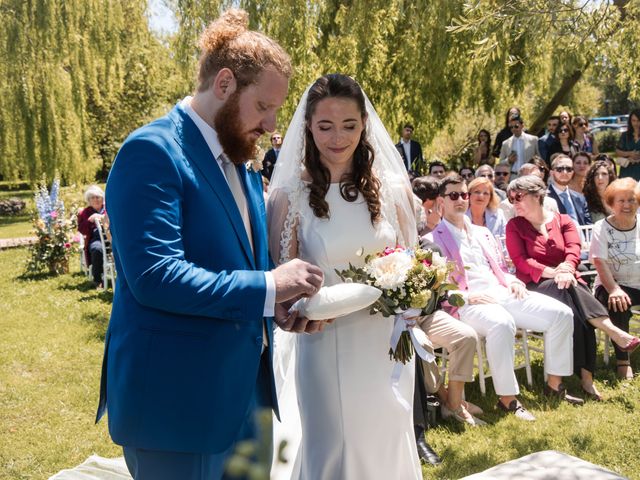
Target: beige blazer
{"type": "Point", "coordinates": [530, 149]}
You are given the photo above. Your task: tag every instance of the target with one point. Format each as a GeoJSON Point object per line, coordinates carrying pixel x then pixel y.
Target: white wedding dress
{"type": "Point", "coordinates": [339, 414]}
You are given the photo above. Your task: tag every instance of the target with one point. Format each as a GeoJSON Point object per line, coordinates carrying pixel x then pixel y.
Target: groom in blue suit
{"type": "Point", "coordinates": [187, 357]}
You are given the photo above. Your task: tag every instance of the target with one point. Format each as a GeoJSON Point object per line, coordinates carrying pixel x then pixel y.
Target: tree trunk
{"type": "Point", "coordinates": [565, 88]}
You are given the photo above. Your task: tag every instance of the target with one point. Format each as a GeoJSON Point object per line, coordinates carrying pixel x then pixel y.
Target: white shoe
{"type": "Point", "coordinates": [460, 416]}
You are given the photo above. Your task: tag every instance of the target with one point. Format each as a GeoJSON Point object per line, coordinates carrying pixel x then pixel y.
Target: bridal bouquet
{"type": "Point", "coordinates": [413, 283]}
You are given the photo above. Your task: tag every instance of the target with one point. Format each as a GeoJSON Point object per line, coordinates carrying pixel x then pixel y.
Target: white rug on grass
{"type": "Point", "coordinates": [96, 468]}
{"type": "Point", "coordinates": [546, 465]}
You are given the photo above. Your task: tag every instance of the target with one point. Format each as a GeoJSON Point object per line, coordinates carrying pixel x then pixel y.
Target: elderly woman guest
{"type": "Point", "coordinates": [599, 176]}
{"type": "Point", "coordinates": [615, 251]}
{"type": "Point", "coordinates": [531, 168]}
{"type": "Point", "coordinates": [483, 206]}
{"type": "Point", "coordinates": [629, 147]}
{"type": "Point", "coordinates": [545, 250]}
{"type": "Point", "coordinates": [94, 196]}
{"type": "Point", "coordinates": [581, 164]}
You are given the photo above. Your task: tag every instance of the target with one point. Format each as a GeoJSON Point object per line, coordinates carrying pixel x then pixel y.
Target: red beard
{"type": "Point", "coordinates": [235, 143]}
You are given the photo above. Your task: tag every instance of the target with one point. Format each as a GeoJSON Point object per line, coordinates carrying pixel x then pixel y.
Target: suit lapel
{"type": "Point", "coordinates": [449, 247]}
{"type": "Point", "coordinates": [198, 152]}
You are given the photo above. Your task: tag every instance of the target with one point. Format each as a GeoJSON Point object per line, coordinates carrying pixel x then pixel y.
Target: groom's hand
{"type": "Point", "coordinates": [296, 278]}
{"type": "Point", "coordinates": [292, 322]}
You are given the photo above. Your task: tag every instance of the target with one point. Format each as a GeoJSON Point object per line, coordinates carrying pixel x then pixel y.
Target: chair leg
{"type": "Point", "coordinates": [480, 355]}
{"type": "Point", "coordinates": [527, 358]}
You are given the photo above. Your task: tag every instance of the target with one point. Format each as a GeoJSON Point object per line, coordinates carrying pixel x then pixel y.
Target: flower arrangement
{"type": "Point", "coordinates": [53, 231]}
{"type": "Point", "coordinates": [412, 281]}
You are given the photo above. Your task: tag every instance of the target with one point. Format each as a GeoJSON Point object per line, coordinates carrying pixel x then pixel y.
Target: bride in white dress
{"type": "Point", "coordinates": [339, 189]}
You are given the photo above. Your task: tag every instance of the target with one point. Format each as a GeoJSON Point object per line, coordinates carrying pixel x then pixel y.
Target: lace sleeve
{"type": "Point", "coordinates": [283, 225]}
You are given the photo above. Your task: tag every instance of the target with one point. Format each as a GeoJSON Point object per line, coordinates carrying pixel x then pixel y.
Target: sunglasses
{"type": "Point", "coordinates": [517, 197]}
{"type": "Point", "coordinates": [564, 169]}
{"type": "Point", "coordinates": [502, 174]}
{"type": "Point", "coordinates": [456, 195]}
{"type": "Point", "coordinates": [564, 130]}
{"type": "Point", "coordinates": [514, 127]}
{"type": "Point", "coordinates": [580, 124]}
{"type": "Point", "coordinates": [467, 175]}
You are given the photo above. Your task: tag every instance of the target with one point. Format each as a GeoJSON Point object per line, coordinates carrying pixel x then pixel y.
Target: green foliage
{"type": "Point", "coordinates": [607, 140]}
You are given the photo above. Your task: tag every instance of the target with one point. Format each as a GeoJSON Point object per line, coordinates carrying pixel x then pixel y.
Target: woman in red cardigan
{"type": "Point", "coordinates": [545, 250]}
{"type": "Point", "coordinates": [94, 196]}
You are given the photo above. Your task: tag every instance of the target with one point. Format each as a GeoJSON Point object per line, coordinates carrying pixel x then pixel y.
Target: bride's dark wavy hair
{"type": "Point", "coordinates": [361, 178]}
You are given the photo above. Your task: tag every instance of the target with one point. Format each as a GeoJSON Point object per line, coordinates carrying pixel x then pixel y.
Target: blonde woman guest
{"type": "Point", "coordinates": [581, 164]}
{"type": "Point", "coordinates": [87, 217]}
{"type": "Point", "coordinates": [599, 176]}
{"type": "Point", "coordinates": [615, 251]}
{"type": "Point", "coordinates": [483, 206]}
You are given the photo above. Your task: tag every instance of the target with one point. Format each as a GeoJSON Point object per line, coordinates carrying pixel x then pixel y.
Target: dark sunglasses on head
{"type": "Point", "coordinates": [502, 174]}
{"type": "Point", "coordinates": [513, 127]}
{"type": "Point", "coordinates": [516, 197]}
{"type": "Point", "coordinates": [564, 130]}
{"type": "Point", "coordinates": [456, 195]}
{"type": "Point", "coordinates": [564, 169]}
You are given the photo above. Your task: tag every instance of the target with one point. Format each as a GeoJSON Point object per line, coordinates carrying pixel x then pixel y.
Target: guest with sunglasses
{"type": "Point", "coordinates": [496, 302]}
{"type": "Point", "coordinates": [543, 166]}
{"type": "Point", "coordinates": [564, 142]}
{"type": "Point", "coordinates": [468, 173]}
{"type": "Point", "coordinates": [570, 203]}
{"type": "Point", "coordinates": [545, 250]}
{"type": "Point", "coordinates": [530, 169]}
{"type": "Point", "coordinates": [520, 148]}
{"type": "Point", "coordinates": [486, 171]}
{"type": "Point", "coordinates": [585, 141]}
{"type": "Point", "coordinates": [505, 133]}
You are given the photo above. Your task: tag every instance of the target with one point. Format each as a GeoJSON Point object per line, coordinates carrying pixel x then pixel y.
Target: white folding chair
{"type": "Point", "coordinates": [84, 268]}
{"type": "Point", "coordinates": [586, 232]}
{"type": "Point", "coordinates": [522, 349]}
{"type": "Point", "coordinates": [108, 265]}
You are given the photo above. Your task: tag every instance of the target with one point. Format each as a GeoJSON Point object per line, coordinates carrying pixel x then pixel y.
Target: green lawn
{"type": "Point", "coordinates": [51, 339]}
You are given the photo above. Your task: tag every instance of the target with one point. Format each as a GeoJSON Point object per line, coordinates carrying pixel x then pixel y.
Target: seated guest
{"type": "Point", "coordinates": [482, 153]}
{"type": "Point", "coordinates": [467, 173]}
{"type": "Point", "coordinates": [569, 202]}
{"type": "Point", "coordinates": [598, 178]}
{"type": "Point", "coordinates": [94, 196]}
{"type": "Point", "coordinates": [437, 169]}
{"type": "Point", "coordinates": [426, 189]}
{"type": "Point", "coordinates": [542, 166]}
{"type": "Point", "coordinates": [502, 176]}
{"type": "Point", "coordinates": [581, 164]}
{"type": "Point", "coordinates": [615, 251]}
{"type": "Point", "coordinates": [483, 206]}
{"type": "Point", "coordinates": [486, 171]}
{"type": "Point", "coordinates": [545, 250]}
{"type": "Point", "coordinates": [496, 302]}
{"type": "Point", "coordinates": [528, 169]}
{"type": "Point", "coordinates": [610, 160]}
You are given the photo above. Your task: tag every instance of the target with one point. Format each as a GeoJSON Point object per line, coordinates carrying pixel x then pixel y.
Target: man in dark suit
{"type": "Point", "coordinates": [271, 157]}
{"type": "Point", "coordinates": [188, 351]}
{"type": "Point", "coordinates": [410, 151]}
{"type": "Point", "coordinates": [569, 202]}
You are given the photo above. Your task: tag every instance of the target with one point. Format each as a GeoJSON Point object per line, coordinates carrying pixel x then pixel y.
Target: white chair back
{"type": "Point", "coordinates": [108, 265]}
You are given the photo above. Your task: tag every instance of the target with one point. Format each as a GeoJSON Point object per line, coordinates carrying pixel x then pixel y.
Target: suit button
{"type": "Point", "coordinates": [259, 340]}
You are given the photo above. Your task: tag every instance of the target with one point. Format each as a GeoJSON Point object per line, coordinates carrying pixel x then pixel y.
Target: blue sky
{"type": "Point", "coordinates": [161, 18]}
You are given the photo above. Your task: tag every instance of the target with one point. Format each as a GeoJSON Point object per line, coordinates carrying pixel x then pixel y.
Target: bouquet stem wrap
{"type": "Point", "coordinates": [405, 338]}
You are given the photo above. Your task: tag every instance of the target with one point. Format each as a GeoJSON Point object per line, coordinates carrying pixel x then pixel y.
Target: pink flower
{"type": "Point", "coordinates": [67, 245]}
{"type": "Point", "coordinates": [76, 238]}
{"type": "Point", "coordinates": [54, 214]}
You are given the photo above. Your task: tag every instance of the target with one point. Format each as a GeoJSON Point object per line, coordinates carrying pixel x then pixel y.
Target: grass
{"type": "Point", "coordinates": [51, 340]}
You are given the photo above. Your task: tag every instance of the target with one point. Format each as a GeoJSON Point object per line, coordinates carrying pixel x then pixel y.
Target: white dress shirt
{"type": "Point", "coordinates": [211, 138]}
{"type": "Point", "coordinates": [517, 145]}
{"type": "Point", "coordinates": [480, 276]}
{"type": "Point", "coordinates": [407, 152]}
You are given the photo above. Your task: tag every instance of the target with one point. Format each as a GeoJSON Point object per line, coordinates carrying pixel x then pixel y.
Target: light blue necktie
{"type": "Point", "coordinates": [568, 205]}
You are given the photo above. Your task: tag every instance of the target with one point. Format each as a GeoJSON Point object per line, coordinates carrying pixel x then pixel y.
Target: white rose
{"type": "Point", "coordinates": [390, 272]}
{"type": "Point", "coordinates": [438, 260]}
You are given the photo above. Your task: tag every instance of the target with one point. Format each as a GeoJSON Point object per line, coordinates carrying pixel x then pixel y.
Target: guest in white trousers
{"type": "Point", "coordinates": [496, 302]}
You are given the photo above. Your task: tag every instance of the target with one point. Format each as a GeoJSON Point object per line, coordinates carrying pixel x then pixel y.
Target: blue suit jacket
{"type": "Point", "coordinates": [184, 341]}
{"type": "Point", "coordinates": [579, 202]}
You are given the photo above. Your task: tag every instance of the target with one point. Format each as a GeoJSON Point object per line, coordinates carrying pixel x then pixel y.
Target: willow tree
{"type": "Point", "coordinates": [63, 60]}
